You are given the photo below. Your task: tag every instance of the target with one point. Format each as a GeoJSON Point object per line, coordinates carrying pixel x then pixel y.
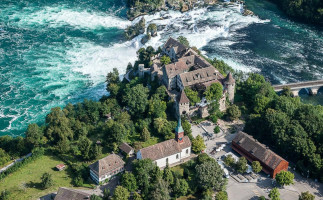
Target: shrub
{"type": "Point", "coordinates": [217, 129]}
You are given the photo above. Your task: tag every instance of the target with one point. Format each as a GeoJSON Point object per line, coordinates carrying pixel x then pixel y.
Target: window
{"type": "Point", "coordinates": [177, 156]}
{"type": "Point", "coordinates": [186, 151]}
{"type": "Point", "coordinates": [166, 161]}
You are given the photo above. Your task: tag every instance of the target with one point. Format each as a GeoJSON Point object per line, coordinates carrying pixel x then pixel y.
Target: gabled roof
{"type": "Point", "coordinates": [229, 79]}
{"type": "Point", "coordinates": [178, 47]}
{"type": "Point", "coordinates": [174, 69]}
{"type": "Point", "coordinates": [71, 194]}
{"type": "Point", "coordinates": [199, 76]}
{"type": "Point", "coordinates": [165, 149]}
{"type": "Point", "coordinates": [125, 148]}
{"type": "Point", "coordinates": [182, 98]}
{"type": "Point", "coordinates": [258, 150]}
{"type": "Point", "coordinates": [107, 164]}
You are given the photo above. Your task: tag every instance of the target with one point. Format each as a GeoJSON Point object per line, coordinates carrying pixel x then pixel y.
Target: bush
{"type": "Point", "coordinates": [46, 181]}
{"type": "Point", "coordinates": [233, 112]}
{"type": "Point", "coordinates": [4, 195]}
{"type": "Point", "coordinates": [217, 129]}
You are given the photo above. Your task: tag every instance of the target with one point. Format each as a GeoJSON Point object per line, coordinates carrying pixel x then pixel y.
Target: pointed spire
{"type": "Point", "coordinates": [229, 79]}
{"type": "Point", "coordinates": [182, 98]}
{"type": "Point", "coordinates": [179, 127]}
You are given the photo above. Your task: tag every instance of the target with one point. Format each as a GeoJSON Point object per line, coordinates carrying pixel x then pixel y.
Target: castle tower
{"type": "Point", "coordinates": [179, 132]}
{"type": "Point", "coordinates": [141, 68]}
{"type": "Point", "coordinates": [229, 85]}
{"type": "Point", "coordinates": [183, 104]}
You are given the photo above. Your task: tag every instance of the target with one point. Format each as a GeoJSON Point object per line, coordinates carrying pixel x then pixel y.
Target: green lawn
{"type": "Point", "coordinates": [189, 197]}
{"type": "Point", "coordinates": [24, 183]}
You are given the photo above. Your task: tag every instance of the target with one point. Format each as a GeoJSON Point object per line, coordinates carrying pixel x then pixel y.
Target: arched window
{"type": "Point", "coordinates": [177, 156]}
{"type": "Point", "coordinates": [186, 151]}
{"type": "Point", "coordinates": [166, 161]}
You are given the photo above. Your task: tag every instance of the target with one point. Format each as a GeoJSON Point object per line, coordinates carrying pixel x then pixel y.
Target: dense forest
{"type": "Point", "coordinates": [310, 11]}
{"type": "Point", "coordinates": [291, 128]}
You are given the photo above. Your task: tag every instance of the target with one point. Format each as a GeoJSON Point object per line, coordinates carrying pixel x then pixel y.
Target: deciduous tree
{"type": "Point", "coordinates": [214, 92]}
{"type": "Point", "coordinates": [121, 193]}
{"type": "Point", "coordinates": [256, 166]}
{"type": "Point", "coordinates": [285, 178]}
{"type": "Point", "coordinates": [274, 194]}
{"type": "Point", "coordinates": [306, 196]}
{"type": "Point", "coordinates": [198, 144]}
{"type": "Point", "coordinates": [46, 180]}
{"type": "Point", "coordinates": [129, 182]}
{"type": "Point", "coordinates": [210, 175]}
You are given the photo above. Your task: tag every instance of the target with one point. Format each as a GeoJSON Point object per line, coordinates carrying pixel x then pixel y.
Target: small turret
{"type": "Point", "coordinates": [229, 84]}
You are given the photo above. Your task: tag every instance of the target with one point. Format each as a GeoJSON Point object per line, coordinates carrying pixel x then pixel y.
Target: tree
{"type": "Point", "coordinates": [229, 161]}
{"type": "Point", "coordinates": [164, 127]}
{"type": "Point", "coordinates": [4, 157]}
{"type": "Point", "coordinates": [241, 165]}
{"type": "Point", "coordinates": [136, 196]}
{"type": "Point", "coordinates": [113, 77]}
{"type": "Point", "coordinates": [168, 175]}
{"type": "Point", "coordinates": [160, 191]}
{"type": "Point", "coordinates": [256, 166]}
{"type": "Point", "coordinates": [285, 178]}
{"type": "Point", "coordinates": [222, 195]}
{"type": "Point", "coordinates": [4, 195]}
{"type": "Point", "coordinates": [306, 196]}
{"type": "Point", "coordinates": [34, 135]}
{"type": "Point", "coordinates": [46, 180]}
{"type": "Point", "coordinates": [157, 107]}
{"type": "Point", "coordinates": [121, 193]}
{"type": "Point", "coordinates": [95, 197]}
{"type": "Point", "coordinates": [152, 29]}
{"type": "Point", "coordinates": [210, 175]}
{"type": "Point", "coordinates": [129, 67]}
{"type": "Point", "coordinates": [233, 112]}
{"type": "Point", "coordinates": [262, 198]}
{"type": "Point", "coordinates": [180, 187]}
{"type": "Point", "coordinates": [136, 98]}
{"type": "Point", "coordinates": [214, 118]}
{"type": "Point", "coordinates": [286, 92]}
{"type": "Point", "coordinates": [183, 40]}
{"type": "Point", "coordinates": [198, 144]}
{"type": "Point", "coordinates": [274, 194]}
{"type": "Point", "coordinates": [192, 95]}
{"type": "Point", "coordinates": [84, 145]}
{"type": "Point", "coordinates": [145, 134]}
{"type": "Point", "coordinates": [129, 182]}
{"type": "Point", "coordinates": [165, 60]}
{"type": "Point", "coordinates": [58, 125]}
{"type": "Point", "coordinates": [214, 92]}
{"type": "Point", "coordinates": [216, 129]}
{"type": "Point", "coordinates": [106, 194]}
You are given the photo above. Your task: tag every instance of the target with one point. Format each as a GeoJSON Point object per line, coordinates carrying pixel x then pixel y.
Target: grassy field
{"type": "Point", "coordinates": [24, 183]}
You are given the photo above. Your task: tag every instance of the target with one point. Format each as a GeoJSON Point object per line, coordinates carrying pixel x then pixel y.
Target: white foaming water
{"type": "Point", "coordinates": [59, 16]}
{"type": "Point", "coordinates": [96, 61]}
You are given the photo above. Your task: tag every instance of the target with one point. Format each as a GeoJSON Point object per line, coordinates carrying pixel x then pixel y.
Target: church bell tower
{"type": "Point", "coordinates": [179, 132]}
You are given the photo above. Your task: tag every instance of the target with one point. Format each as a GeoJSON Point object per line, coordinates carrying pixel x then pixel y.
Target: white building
{"type": "Point", "coordinates": [170, 151]}
{"type": "Point", "coordinates": [106, 168]}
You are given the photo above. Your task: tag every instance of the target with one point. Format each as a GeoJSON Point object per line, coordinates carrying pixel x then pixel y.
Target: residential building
{"type": "Point", "coordinates": [71, 194]}
{"type": "Point", "coordinates": [127, 149]}
{"type": "Point", "coordinates": [253, 150]}
{"type": "Point", "coordinates": [106, 167]}
{"type": "Point", "coordinates": [170, 151]}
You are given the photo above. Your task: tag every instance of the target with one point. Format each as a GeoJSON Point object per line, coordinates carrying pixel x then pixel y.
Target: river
{"type": "Point", "coordinates": [58, 51]}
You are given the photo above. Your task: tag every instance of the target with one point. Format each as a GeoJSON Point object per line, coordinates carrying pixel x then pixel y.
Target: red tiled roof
{"type": "Point", "coordinates": [60, 166]}
{"type": "Point", "coordinates": [258, 150]}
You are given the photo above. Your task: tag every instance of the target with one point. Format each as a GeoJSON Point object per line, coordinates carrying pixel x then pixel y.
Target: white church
{"type": "Point", "coordinates": [170, 151]}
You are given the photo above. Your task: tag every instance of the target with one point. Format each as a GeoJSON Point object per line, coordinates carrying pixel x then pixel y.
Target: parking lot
{"type": "Point", "coordinates": [250, 189]}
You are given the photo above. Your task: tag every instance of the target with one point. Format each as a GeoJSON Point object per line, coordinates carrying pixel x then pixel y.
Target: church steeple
{"type": "Point", "coordinates": [179, 131]}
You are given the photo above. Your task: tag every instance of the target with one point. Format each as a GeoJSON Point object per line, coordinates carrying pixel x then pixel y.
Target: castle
{"type": "Point", "coordinates": [188, 69]}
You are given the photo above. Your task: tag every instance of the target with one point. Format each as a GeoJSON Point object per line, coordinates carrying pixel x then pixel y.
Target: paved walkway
{"type": "Point", "coordinates": [14, 162]}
